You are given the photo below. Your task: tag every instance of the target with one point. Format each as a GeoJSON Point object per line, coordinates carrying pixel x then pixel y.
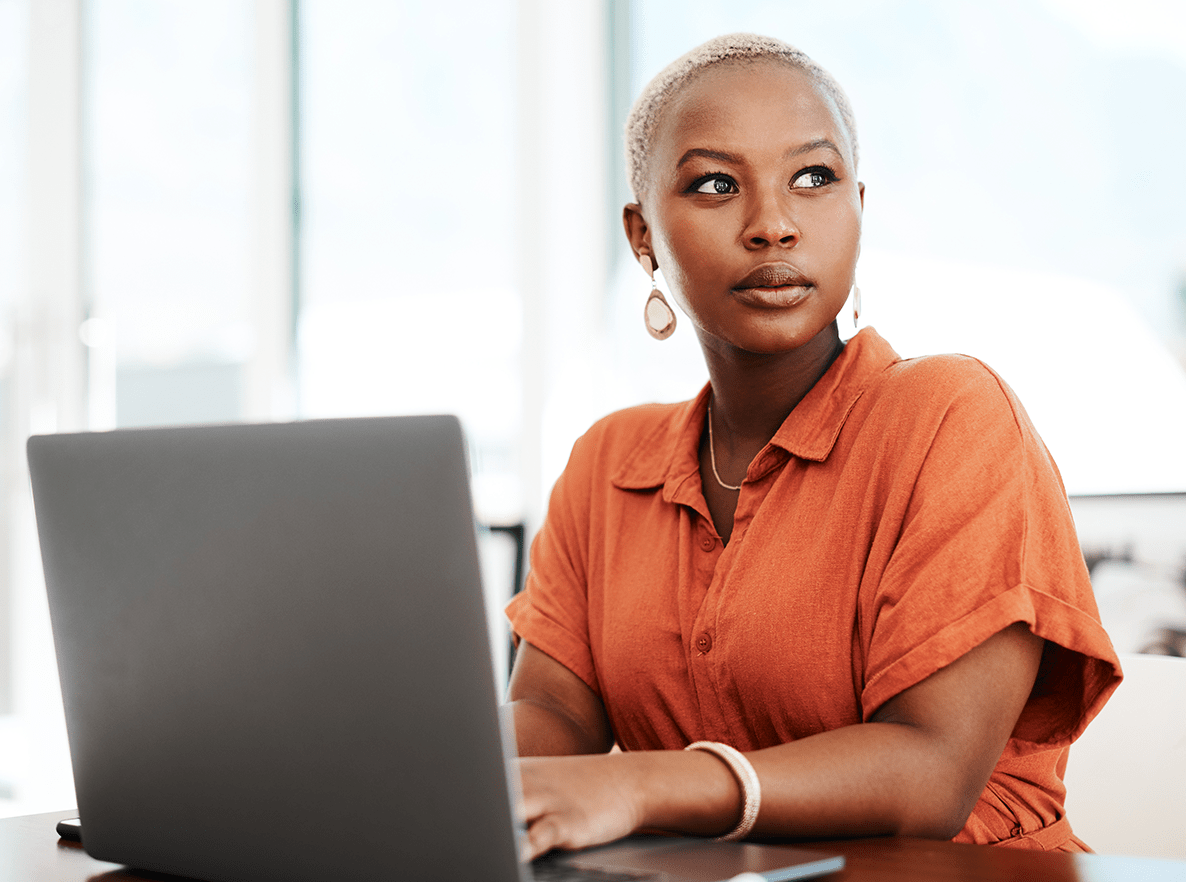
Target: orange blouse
{"type": "Point", "coordinates": [905, 512]}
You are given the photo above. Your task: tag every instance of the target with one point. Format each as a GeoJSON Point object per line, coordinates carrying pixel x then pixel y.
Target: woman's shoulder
{"type": "Point", "coordinates": [943, 382]}
{"type": "Point", "coordinates": [624, 430]}
{"type": "Point", "coordinates": [640, 419]}
{"type": "Point", "coordinates": [877, 373]}
{"type": "Point", "coordinates": [948, 372]}
{"type": "Point", "coordinates": [955, 397]}
{"type": "Point", "coordinates": [645, 430]}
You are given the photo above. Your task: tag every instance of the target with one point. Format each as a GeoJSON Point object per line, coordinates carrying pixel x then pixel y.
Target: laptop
{"type": "Point", "coordinates": [275, 662]}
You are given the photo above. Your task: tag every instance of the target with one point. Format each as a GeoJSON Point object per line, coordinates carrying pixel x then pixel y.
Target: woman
{"type": "Point", "coordinates": [849, 582]}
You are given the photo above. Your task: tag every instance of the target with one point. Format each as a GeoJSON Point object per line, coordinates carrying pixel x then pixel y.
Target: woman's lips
{"type": "Point", "coordinates": [773, 285]}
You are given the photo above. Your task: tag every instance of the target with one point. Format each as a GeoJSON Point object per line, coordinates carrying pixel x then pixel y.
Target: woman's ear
{"type": "Point", "coordinates": [637, 231]}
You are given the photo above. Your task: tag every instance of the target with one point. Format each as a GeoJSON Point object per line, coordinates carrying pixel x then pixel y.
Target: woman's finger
{"type": "Point", "coordinates": [544, 835]}
{"type": "Point", "coordinates": [572, 802]}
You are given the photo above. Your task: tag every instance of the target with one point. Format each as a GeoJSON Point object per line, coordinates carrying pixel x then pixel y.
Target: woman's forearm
{"type": "Point", "coordinates": [868, 779]}
{"type": "Point", "coordinates": [917, 769]}
{"type": "Point", "coordinates": [865, 780]}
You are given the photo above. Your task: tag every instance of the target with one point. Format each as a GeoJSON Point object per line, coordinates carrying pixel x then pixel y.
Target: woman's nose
{"type": "Point", "coordinates": [771, 223]}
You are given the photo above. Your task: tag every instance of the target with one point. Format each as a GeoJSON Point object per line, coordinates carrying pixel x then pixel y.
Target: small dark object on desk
{"type": "Point", "coordinates": [70, 828]}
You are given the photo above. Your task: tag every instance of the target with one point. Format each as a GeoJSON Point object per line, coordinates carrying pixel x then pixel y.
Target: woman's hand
{"type": "Point", "coordinates": [578, 801]}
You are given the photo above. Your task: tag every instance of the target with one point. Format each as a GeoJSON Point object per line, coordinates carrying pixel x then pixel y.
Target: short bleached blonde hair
{"type": "Point", "coordinates": [644, 115]}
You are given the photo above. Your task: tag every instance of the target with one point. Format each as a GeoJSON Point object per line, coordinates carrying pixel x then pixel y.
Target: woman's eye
{"type": "Point", "coordinates": [715, 185]}
{"type": "Point", "coordinates": [812, 178]}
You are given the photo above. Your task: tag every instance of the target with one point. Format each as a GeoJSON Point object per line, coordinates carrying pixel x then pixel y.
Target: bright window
{"type": "Point", "coordinates": [168, 140]}
{"type": "Point", "coordinates": [408, 301]}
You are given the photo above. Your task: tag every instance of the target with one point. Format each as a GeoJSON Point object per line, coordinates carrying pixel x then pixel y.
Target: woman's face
{"type": "Point", "coordinates": [753, 210]}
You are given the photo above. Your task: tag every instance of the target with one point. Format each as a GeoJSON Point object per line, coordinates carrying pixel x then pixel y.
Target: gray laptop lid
{"type": "Point", "coordinates": [273, 650]}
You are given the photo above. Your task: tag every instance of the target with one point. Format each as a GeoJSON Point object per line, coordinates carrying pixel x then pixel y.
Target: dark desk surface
{"type": "Point", "coordinates": [30, 851]}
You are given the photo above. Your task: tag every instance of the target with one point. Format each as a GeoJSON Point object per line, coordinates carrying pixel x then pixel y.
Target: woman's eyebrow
{"type": "Point", "coordinates": [722, 156]}
{"type": "Point", "coordinates": [704, 152]}
{"type": "Point", "coordinates": [818, 143]}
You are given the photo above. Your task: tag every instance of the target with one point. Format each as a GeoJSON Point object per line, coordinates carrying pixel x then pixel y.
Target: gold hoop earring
{"type": "Point", "coordinates": [856, 305]}
{"type": "Point", "coordinates": [657, 314]}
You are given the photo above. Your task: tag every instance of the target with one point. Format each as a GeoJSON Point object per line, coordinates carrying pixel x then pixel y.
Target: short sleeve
{"type": "Point", "coordinates": [986, 540]}
{"type": "Point", "coordinates": [552, 611]}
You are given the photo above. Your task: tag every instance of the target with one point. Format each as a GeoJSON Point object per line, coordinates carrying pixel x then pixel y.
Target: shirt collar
{"type": "Point", "coordinates": [668, 457]}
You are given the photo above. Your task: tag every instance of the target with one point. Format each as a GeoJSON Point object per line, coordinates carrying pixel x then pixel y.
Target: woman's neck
{"type": "Point", "coordinates": [752, 395]}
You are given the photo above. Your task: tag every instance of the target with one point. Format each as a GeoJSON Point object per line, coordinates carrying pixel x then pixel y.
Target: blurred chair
{"type": "Point", "coordinates": [1126, 776]}
{"type": "Point", "coordinates": [516, 534]}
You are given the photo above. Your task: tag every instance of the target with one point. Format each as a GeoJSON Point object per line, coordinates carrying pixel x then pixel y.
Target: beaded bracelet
{"type": "Point", "coordinates": [747, 778]}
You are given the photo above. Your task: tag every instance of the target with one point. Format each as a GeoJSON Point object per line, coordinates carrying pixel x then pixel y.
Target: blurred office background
{"type": "Point", "coordinates": [218, 210]}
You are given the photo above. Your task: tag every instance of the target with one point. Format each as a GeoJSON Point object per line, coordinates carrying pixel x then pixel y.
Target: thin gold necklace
{"type": "Point", "coordinates": [712, 455]}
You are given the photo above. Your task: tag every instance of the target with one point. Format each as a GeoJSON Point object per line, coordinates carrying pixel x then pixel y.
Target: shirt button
{"type": "Point", "coordinates": [704, 642]}
{"type": "Point", "coordinates": [708, 543]}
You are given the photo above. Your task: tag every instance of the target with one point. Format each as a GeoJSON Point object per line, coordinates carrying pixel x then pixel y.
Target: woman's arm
{"type": "Point", "coordinates": [555, 711]}
{"type": "Point", "coordinates": [917, 768]}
